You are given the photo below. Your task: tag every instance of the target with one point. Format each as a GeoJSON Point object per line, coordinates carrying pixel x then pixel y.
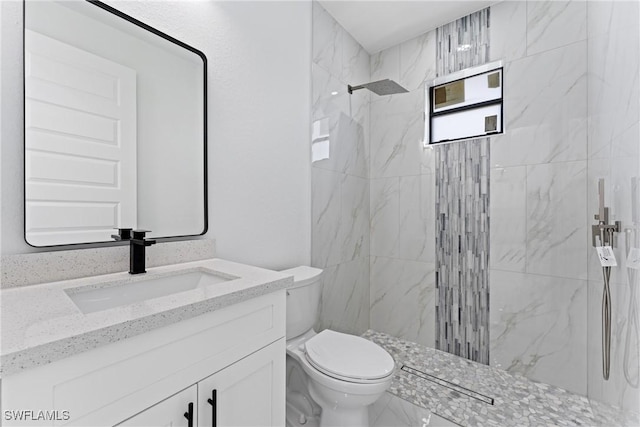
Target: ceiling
{"type": "Point", "coordinates": [379, 24]}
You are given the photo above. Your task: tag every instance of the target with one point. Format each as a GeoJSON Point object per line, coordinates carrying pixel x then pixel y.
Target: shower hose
{"type": "Point", "coordinates": [606, 323]}
{"type": "Point", "coordinates": [632, 323]}
{"type": "Point", "coordinates": [606, 314]}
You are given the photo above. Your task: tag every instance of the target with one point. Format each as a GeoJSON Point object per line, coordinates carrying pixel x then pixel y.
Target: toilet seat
{"type": "Point", "coordinates": [348, 357]}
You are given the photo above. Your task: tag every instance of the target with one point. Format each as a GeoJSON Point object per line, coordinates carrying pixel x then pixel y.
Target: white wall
{"type": "Point", "coordinates": [259, 96]}
{"type": "Point", "coordinates": [260, 131]}
{"type": "Point", "coordinates": [11, 130]}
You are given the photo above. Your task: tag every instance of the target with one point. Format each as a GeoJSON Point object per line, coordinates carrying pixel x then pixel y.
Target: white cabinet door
{"type": "Point", "coordinates": [168, 413]}
{"type": "Point", "coordinates": [251, 392]}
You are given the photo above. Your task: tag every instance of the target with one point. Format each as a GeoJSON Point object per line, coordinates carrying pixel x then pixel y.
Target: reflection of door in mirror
{"type": "Point", "coordinates": [115, 126]}
{"type": "Point", "coordinates": [80, 114]}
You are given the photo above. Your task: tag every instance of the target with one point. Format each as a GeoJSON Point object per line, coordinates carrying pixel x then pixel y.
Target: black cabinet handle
{"type": "Point", "coordinates": [189, 415]}
{"type": "Point", "coordinates": [214, 407]}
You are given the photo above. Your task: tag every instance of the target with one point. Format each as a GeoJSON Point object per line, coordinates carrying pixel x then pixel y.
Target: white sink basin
{"type": "Point", "coordinates": [117, 295]}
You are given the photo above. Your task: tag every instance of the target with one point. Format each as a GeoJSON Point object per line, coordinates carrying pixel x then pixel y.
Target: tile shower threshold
{"type": "Point", "coordinates": [472, 394]}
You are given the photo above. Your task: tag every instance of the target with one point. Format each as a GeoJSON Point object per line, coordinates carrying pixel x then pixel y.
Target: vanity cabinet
{"type": "Point", "coordinates": [246, 393]}
{"type": "Point", "coordinates": [149, 379]}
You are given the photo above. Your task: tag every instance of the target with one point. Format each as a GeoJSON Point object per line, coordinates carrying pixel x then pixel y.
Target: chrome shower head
{"type": "Point", "coordinates": [380, 87]}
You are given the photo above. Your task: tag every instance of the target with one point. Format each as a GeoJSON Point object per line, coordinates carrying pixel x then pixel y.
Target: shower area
{"type": "Point", "coordinates": [483, 248]}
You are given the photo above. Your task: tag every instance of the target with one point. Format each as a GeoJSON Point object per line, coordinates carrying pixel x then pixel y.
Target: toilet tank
{"type": "Point", "coordinates": [303, 299]}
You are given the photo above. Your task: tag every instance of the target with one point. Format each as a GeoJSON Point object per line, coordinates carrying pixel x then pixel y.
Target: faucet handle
{"type": "Point", "coordinates": [140, 234]}
{"type": "Point", "coordinates": [123, 234]}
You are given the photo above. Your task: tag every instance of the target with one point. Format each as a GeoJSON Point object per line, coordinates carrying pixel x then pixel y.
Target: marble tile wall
{"type": "Point", "coordinates": [402, 196]}
{"type": "Point", "coordinates": [340, 175]}
{"type": "Point", "coordinates": [539, 218]}
{"type": "Point", "coordinates": [571, 111]}
{"type": "Point", "coordinates": [613, 151]}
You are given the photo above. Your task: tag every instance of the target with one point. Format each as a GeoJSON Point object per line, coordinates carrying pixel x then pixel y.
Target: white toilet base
{"type": "Point", "coordinates": [343, 403]}
{"type": "Point", "coordinates": [352, 419]}
{"type": "Point", "coordinates": [343, 409]}
{"type": "Point", "coordinates": [298, 418]}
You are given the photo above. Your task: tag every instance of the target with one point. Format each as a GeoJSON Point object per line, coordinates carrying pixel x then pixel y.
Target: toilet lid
{"type": "Point", "coordinates": [347, 356]}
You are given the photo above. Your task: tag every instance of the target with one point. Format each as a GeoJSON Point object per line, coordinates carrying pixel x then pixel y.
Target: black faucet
{"type": "Point", "coordinates": [137, 245]}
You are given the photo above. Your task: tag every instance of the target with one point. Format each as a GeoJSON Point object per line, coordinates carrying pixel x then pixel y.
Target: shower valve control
{"type": "Point", "coordinates": [603, 233]}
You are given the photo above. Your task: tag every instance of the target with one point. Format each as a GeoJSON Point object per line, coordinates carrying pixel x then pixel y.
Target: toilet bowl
{"type": "Point", "coordinates": [344, 373]}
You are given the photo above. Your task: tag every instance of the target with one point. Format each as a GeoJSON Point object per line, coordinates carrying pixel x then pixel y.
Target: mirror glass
{"type": "Point", "coordinates": [115, 127]}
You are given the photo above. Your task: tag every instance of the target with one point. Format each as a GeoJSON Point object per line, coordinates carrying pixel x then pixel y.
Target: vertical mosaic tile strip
{"type": "Point", "coordinates": [463, 43]}
{"type": "Point", "coordinates": [462, 209]}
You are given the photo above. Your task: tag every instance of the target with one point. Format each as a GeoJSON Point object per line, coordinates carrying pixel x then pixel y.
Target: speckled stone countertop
{"type": "Point", "coordinates": [41, 324]}
{"type": "Point", "coordinates": [472, 394]}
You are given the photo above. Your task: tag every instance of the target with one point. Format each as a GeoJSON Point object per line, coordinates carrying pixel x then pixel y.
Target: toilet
{"type": "Point", "coordinates": [342, 374]}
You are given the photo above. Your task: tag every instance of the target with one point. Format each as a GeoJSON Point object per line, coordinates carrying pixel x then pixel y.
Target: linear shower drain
{"type": "Point", "coordinates": [451, 386]}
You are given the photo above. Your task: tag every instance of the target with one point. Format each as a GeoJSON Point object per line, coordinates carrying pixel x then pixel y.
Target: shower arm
{"type": "Point", "coordinates": [350, 88]}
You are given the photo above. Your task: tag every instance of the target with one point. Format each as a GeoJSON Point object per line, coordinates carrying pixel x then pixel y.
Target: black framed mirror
{"type": "Point", "coordinates": [115, 126]}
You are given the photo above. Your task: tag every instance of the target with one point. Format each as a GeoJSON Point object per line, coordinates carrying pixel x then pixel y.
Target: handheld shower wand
{"type": "Point", "coordinates": [606, 323]}
{"type": "Point", "coordinates": [605, 232]}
